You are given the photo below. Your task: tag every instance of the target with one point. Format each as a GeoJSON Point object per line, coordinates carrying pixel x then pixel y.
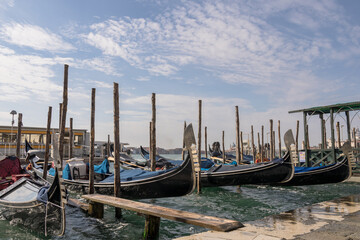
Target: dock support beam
{"type": "Point", "coordinates": [152, 227]}
{"type": "Point", "coordinates": [96, 209]}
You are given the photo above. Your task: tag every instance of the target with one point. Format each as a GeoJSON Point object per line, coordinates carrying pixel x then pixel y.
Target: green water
{"type": "Point", "coordinates": [244, 204]}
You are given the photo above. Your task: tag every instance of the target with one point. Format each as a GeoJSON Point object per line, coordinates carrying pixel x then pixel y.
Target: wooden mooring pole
{"type": "Point", "coordinates": [92, 141]}
{"type": "Point", "coordinates": [18, 138]}
{"type": "Point", "coordinates": [338, 134]}
{"type": "Point", "coordinates": [71, 139]}
{"type": "Point", "coordinates": [253, 143]}
{"type": "Point", "coordinates": [117, 187]}
{"type": "Point", "coordinates": [237, 125]}
{"type": "Point", "coordinates": [297, 136]}
{"type": "Point", "coordinates": [199, 149]}
{"type": "Point", "coordinates": [242, 147]}
{"type": "Point", "coordinates": [47, 143]}
{"type": "Point", "coordinates": [63, 115]}
{"type": "Point", "coordinates": [259, 146]}
{"type": "Point", "coordinates": [279, 132]}
{"type": "Point", "coordinates": [271, 140]}
{"type": "Point", "coordinates": [183, 150]}
{"type": "Point", "coordinates": [108, 147]}
{"type": "Point", "coordinates": [262, 144]}
{"type": "Point", "coordinates": [60, 112]}
{"type": "Point", "coordinates": [153, 132]}
{"type": "Point", "coordinates": [205, 143]}
{"type": "Point", "coordinates": [223, 146]}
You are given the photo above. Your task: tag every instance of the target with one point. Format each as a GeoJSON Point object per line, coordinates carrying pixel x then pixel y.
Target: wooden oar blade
{"type": "Point", "coordinates": [289, 139]}
{"type": "Point", "coordinates": [189, 136]}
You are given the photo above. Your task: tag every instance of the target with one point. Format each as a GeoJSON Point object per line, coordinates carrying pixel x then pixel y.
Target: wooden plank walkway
{"type": "Point", "coordinates": [218, 224]}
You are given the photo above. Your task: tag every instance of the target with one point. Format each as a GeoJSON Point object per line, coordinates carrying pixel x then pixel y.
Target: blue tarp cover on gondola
{"type": "Point", "coordinates": [308, 169]}
{"type": "Point", "coordinates": [103, 168]}
{"type": "Point", "coordinates": [43, 194]}
{"type": "Point", "coordinates": [134, 174]}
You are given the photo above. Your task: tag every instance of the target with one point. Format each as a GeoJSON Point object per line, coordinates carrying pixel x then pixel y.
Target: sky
{"type": "Point", "coordinates": [266, 57]}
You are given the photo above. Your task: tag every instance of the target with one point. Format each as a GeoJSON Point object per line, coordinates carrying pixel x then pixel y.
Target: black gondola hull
{"type": "Point", "coordinates": [175, 182]}
{"type": "Point", "coordinates": [335, 173]}
{"type": "Point", "coordinates": [281, 170]}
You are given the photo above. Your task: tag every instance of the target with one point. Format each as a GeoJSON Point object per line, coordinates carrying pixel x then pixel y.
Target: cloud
{"type": "Point", "coordinates": [236, 41]}
{"type": "Point", "coordinates": [105, 65]}
{"type": "Point", "coordinates": [33, 36]}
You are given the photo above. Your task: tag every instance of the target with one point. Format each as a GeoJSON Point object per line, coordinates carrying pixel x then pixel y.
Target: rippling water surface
{"type": "Point", "coordinates": [242, 204]}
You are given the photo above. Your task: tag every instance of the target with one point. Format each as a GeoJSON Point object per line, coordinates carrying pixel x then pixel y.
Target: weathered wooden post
{"type": "Point", "coordinates": [297, 136]}
{"type": "Point", "coordinates": [259, 146]}
{"type": "Point", "coordinates": [262, 144]}
{"type": "Point", "coordinates": [354, 135]}
{"type": "Point", "coordinates": [273, 144]}
{"type": "Point", "coordinates": [322, 134]}
{"type": "Point", "coordinates": [325, 141]}
{"type": "Point", "coordinates": [60, 112]}
{"type": "Point", "coordinates": [117, 187]}
{"type": "Point", "coordinates": [205, 143]}
{"type": "Point", "coordinates": [108, 146]}
{"type": "Point", "coordinates": [332, 133]}
{"type": "Point", "coordinates": [47, 144]}
{"type": "Point", "coordinates": [152, 226]}
{"type": "Point", "coordinates": [92, 141]}
{"type": "Point", "coordinates": [150, 142]}
{"type": "Point", "coordinates": [223, 146]}
{"type": "Point", "coordinates": [271, 140]}
{"type": "Point", "coordinates": [306, 140]}
{"type": "Point", "coordinates": [348, 127]}
{"type": "Point", "coordinates": [237, 125]}
{"type": "Point", "coordinates": [63, 115]}
{"type": "Point", "coordinates": [242, 147]}
{"type": "Point", "coordinates": [18, 137]}
{"type": "Point", "coordinates": [71, 139]}
{"type": "Point", "coordinates": [279, 138]}
{"type": "Point", "coordinates": [338, 134]}
{"type": "Point", "coordinates": [153, 133]}
{"type": "Point", "coordinates": [252, 143]}
{"type": "Point", "coordinates": [183, 150]}
{"type": "Point", "coordinates": [199, 149]}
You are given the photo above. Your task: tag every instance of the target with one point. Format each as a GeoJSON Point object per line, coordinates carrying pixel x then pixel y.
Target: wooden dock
{"type": "Point", "coordinates": [153, 213]}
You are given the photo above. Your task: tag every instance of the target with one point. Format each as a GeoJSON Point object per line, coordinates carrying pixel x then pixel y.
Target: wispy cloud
{"type": "Point", "coordinates": [33, 36]}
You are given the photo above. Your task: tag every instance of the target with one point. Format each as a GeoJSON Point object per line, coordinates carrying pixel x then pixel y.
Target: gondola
{"type": "Point", "coordinates": [334, 173]}
{"type": "Point", "coordinates": [279, 170]}
{"type": "Point", "coordinates": [141, 184]}
{"type": "Point", "coordinates": [37, 203]}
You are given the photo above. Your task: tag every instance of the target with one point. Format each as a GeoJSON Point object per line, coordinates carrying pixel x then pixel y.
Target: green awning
{"type": "Point", "coordinates": [341, 107]}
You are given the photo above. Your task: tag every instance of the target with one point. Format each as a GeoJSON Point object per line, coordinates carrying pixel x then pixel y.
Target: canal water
{"type": "Point", "coordinates": [243, 204]}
